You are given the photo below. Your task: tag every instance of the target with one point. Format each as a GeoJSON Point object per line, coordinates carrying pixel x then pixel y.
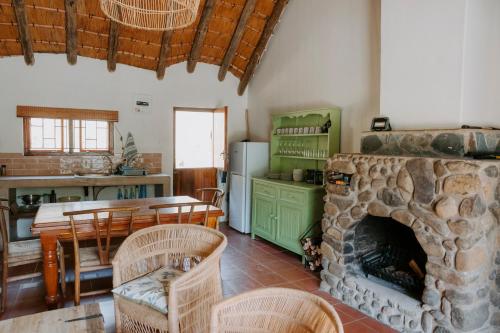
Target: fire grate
{"type": "Point", "coordinates": [394, 264]}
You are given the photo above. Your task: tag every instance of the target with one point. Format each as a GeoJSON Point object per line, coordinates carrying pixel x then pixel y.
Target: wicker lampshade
{"type": "Point", "coordinates": [152, 14]}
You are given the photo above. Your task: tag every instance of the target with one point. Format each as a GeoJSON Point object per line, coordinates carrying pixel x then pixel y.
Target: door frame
{"type": "Point", "coordinates": [212, 110]}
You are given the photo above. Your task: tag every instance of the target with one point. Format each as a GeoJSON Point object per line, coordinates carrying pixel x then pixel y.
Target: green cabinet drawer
{"type": "Point", "coordinates": [292, 196]}
{"type": "Point", "coordinates": [264, 189]}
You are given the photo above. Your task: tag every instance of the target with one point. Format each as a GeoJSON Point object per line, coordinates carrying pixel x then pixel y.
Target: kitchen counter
{"type": "Point", "coordinates": [161, 182]}
{"type": "Point", "coordinates": [302, 185]}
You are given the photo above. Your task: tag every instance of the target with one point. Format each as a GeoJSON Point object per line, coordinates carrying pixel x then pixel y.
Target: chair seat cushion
{"type": "Point", "coordinates": [89, 256]}
{"type": "Point", "coordinates": [30, 248]}
{"type": "Point", "coordinates": [151, 289]}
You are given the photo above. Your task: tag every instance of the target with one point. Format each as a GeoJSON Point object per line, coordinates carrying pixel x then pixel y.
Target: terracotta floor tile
{"type": "Point", "coordinates": [344, 317]}
{"type": "Point", "coordinates": [308, 284]}
{"type": "Point", "coordinates": [246, 264]}
{"type": "Point", "coordinates": [294, 274]}
{"type": "Point", "coordinates": [326, 296]}
{"type": "Point", "coordinates": [267, 278]}
{"type": "Point", "coordinates": [358, 327]}
{"type": "Point", "coordinates": [355, 314]}
{"type": "Point", "coordinates": [285, 285]}
{"type": "Point", "coordinates": [377, 326]}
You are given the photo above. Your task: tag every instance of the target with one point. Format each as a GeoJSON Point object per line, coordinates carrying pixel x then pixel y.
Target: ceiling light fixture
{"type": "Point", "coordinates": [157, 15]}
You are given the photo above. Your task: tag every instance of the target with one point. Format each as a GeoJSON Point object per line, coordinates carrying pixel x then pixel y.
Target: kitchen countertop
{"type": "Point", "coordinates": [86, 180]}
{"type": "Point", "coordinates": [303, 185]}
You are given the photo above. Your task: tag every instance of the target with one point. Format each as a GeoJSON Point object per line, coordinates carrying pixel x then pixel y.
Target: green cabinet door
{"type": "Point", "coordinates": [264, 216]}
{"type": "Point", "coordinates": [291, 225]}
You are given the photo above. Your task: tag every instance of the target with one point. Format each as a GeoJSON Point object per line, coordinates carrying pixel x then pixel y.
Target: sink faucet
{"type": "Point", "coordinates": [110, 161]}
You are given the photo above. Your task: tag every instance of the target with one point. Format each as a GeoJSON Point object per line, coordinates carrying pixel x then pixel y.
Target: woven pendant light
{"type": "Point", "coordinates": [152, 14]}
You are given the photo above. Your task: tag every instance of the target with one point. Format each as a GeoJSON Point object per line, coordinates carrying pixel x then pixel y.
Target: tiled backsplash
{"type": "Point", "coordinates": [20, 165]}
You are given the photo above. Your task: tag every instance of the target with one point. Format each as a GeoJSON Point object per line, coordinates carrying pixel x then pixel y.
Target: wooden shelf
{"type": "Point", "coordinates": [299, 135]}
{"type": "Point", "coordinates": [302, 157]}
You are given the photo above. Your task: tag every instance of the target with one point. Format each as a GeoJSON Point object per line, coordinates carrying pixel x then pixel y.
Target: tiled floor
{"type": "Point", "coordinates": [246, 264]}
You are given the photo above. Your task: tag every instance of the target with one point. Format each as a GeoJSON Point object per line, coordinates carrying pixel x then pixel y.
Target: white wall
{"type": "Point", "coordinates": [324, 53]}
{"type": "Point", "coordinates": [439, 63]}
{"type": "Point", "coordinates": [481, 100]}
{"type": "Point", "coordinates": [88, 84]}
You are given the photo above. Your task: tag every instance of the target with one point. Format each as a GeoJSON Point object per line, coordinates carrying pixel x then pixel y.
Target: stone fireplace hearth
{"type": "Point", "coordinates": [452, 206]}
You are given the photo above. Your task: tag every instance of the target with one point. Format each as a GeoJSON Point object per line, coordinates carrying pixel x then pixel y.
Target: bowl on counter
{"type": "Point", "coordinates": [30, 199]}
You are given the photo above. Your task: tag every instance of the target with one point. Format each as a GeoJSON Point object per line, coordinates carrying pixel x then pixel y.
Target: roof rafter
{"type": "Point", "coordinates": [201, 32]}
{"type": "Point", "coordinates": [113, 45]}
{"type": "Point", "coordinates": [279, 7]}
{"type": "Point", "coordinates": [162, 58]}
{"type": "Point", "coordinates": [24, 31]}
{"type": "Point", "coordinates": [71, 31]}
{"type": "Point", "coordinates": [236, 39]}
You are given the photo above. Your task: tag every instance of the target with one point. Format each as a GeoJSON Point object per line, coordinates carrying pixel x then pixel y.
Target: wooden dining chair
{"type": "Point", "coordinates": [95, 258]}
{"type": "Point", "coordinates": [19, 253]}
{"type": "Point", "coordinates": [182, 212]}
{"type": "Point", "coordinates": [211, 194]}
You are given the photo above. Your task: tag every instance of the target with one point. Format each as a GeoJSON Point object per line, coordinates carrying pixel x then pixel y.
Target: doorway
{"type": "Point", "coordinates": [200, 148]}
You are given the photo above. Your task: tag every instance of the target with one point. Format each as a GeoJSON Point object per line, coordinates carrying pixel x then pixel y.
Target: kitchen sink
{"type": "Point", "coordinates": [92, 175]}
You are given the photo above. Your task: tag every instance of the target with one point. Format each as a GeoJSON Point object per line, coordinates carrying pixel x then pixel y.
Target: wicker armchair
{"type": "Point", "coordinates": [275, 310]}
{"type": "Point", "coordinates": [191, 296]}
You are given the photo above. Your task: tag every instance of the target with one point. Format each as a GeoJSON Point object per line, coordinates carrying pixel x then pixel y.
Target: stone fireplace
{"type": "Point", "coordinates": [414, 241]}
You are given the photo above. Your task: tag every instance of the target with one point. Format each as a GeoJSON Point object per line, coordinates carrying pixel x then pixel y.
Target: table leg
{"type": "Point", "coordinates": [50, 271]}
{"type": "Point", "coordinates": [212, 222]}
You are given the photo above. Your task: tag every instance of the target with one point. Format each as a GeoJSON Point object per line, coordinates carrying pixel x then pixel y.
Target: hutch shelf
{"type": "Point", "coordinates": [283, 210]}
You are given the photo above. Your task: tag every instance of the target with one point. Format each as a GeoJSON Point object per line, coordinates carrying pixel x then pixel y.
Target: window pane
{"type": "Point", "coordinates": [36, 122]}
{"type": "Point", "coordinates": [193, 139]}
{"type": "Point", "coordinates": [90, 144]}
{"type": "Point", "coordinates": [46, 134]}
{"type": "Point", "coordinates": [49, 143]}
{"type": "Point", "coordinates": [90, 129]}
{"type": "Point", "coordinates": [49, 128]}
{"type": "Point", "coordinates": [36, 137]}
{"type": "Point", "coordinates": [54, 135]}
{"type": "Point", "coordinates": [102, 138]}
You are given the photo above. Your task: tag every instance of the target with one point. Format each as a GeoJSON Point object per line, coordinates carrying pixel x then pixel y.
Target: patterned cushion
{"type": "Point", "coordinates": [150, 290]}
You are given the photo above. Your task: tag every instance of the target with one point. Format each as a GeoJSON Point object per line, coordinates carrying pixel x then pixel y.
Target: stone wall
{"type": "Point", "coordinates": [453, 206]}
{"type": "Point", "coordinates": [431, 143]}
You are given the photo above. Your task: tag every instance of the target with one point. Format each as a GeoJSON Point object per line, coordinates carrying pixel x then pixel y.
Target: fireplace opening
{"type": "Point", "coordinates": [389, 250]}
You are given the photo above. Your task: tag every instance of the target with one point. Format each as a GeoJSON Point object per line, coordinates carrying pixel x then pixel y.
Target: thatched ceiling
{"type": "Point", "coordinates": [232, 34]}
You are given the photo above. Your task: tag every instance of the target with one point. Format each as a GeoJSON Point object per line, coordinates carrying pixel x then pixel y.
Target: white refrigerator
{"type": "Point", "coordinates": [247, 160]}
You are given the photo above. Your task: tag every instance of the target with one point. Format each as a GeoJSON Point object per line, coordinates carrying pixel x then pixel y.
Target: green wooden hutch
{"type": "Point", "coordinates": [283, 210]}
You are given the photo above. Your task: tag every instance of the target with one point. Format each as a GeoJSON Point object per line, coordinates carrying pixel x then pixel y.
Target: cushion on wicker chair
{"type": "Point", "coordinates": [29, 248]}
{"type": "Point", "coordinates": [150, 290]}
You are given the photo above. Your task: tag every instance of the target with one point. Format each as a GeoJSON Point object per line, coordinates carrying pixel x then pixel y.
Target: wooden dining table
{"type": "Point", "coordinates": [51, 226]}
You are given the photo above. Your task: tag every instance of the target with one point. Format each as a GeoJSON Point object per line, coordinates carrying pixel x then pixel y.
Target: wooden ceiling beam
{"type": "Point", "coordinates": [71, 31]}
{"type": "Point", "coordinates": [24, 31]}
{"type": "Point", "coordinates": [162, 58]}
{"type": "Point", "coordinates": [201, 32]}
{"type": "Point", "coordinates": [113, 45]}
{"type": "Point", "coordinates": [273, 20]}
{"type": "Point", "coordinates": [236, 39]}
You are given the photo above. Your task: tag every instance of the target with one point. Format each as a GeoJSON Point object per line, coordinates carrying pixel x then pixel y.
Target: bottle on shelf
{"type": "Point", "coordinates": [53, 197]}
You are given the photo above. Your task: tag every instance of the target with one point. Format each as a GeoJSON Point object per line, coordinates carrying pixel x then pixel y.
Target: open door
{"type": "Point", "coordinates": [200, 148]}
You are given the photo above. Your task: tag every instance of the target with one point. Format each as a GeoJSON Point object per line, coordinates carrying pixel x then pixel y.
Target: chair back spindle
{"type": "Point", "coordinates": [211, 194]}
{"type": "Point", "coordinates": [4, 237]}
{"type": "Point", "coordinates": [101, 232]}
{"type": "Point", "coordinates": [178, 207]}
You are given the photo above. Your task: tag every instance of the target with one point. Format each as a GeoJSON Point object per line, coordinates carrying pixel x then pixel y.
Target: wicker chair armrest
{"type": "Point", "coordinates": [192, 296]}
